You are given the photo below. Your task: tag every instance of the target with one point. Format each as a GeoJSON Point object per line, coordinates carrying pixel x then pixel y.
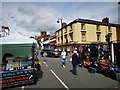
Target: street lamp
{"type": "Point", "coordinates": [59, 21]}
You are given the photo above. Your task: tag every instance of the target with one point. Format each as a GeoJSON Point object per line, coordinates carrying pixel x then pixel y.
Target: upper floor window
{"type": "Point", "coordinates": [66, 40]}
{"type": "Point", "coordinates": [65, 29]}
{"type": "Point", "coordinates": [82, 25]}
{"type": "Point", "coordinates": [98, 27]}
{"type": "Point", "coordinates": [58, 39]}
{"type": "Point", "coordinates": [57, 33]}
{"type": "Point", "coordinates": [98, 37]}
{"type": "Point", "coordinates": [110, 34]}
{"type": "Point", "coordinates": [61, 32]}
{"type": "Point", "coordinates": [71, 28]}
{"type": "Point", "coordinates": [109, 29]}
{"type": "Point", "coordinates": [71, 36]}
{"type": "Point", "coordinates": [83, 37]}
{"type": "Point", "coordinates": [61, 39]}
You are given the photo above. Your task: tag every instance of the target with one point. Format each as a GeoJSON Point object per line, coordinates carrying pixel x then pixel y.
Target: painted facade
{"type": "Point", "coordinates": [83, 31]}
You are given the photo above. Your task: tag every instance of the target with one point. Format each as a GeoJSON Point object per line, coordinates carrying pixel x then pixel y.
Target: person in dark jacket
{"type": "Point", "coordinates": [75, 61]}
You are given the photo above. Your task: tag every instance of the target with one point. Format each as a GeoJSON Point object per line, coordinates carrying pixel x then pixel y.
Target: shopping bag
{"type": "Point", "coordinates": [70, 59]}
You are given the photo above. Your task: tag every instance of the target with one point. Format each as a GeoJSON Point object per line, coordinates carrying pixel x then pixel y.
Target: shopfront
{"type": "Point", "coordinates": [53, 44]}
{"type": "Point", "coordinates": [116, 54]}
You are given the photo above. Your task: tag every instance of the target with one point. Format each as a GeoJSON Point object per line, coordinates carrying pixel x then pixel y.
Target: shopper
{"type": "Point", "coordinates": [45, 55]}
{"type": "Point", "coordinates": [75, 62]}
{"type": "Point", "coordinates": [63, 54]}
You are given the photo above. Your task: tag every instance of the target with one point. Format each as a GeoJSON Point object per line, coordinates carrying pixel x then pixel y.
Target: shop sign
{"type": "Point", "coordinates": [17, 78]}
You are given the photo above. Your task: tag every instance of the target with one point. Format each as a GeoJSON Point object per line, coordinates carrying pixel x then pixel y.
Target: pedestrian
{"type": "Point", "coordinates": [44, 55]}
{"type": "Point", "coordinates": [100, 51]}
{"type": "Point", "coordinates": [75, 61]}
{"type": "Point", "coordinates": [63, 54]}
{"type": "Point", "coordinates": [37, 54]}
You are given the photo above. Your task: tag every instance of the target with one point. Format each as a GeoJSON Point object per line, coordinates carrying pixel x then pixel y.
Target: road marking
{"type": "Point", "coordinates": [59, 80]}
{"type": "Point", "coordinates": [115, 87]}
{"type": "Point", "coordinates": [22, 87]}
{"type": "Point", "coordinates": [45, 63]}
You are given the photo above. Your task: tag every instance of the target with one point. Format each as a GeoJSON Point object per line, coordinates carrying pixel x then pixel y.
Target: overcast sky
{"type": "Point", "coordinates": [29, 18]}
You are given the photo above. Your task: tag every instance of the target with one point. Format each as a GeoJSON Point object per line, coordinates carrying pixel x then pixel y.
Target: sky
{"type": "Point", "coordinates": [31, 17]}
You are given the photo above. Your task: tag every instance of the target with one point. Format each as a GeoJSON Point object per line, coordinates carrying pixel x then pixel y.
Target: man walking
{"type": "Point", "coordinates": [75, 61]}
{"type": "Point", "coordinates": [63, 54]}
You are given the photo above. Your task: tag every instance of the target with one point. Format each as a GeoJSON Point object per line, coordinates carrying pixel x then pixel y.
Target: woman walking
{"type": "Point", "coordinates": [63, 54]}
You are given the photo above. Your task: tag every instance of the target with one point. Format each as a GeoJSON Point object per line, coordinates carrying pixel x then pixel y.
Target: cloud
{"type": "Point", "coordinates": [31, 18]}
{"type": "Point", "coordinates": [61, 1]}
{"type": "Point", "coordinates": [43, 19]}
{"type": "Point", "coordinates": [97, 11]}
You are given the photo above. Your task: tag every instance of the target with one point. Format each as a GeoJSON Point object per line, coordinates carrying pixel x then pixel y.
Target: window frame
{"type": "Point", "coordinates": [83, 38]}
{"type": "Point", "coordinates": [109, 29]}
{"type": "Point", "coordinates": [71, 36]}
{"type": "Point", "coordinates": [83, 26]}
{"type": "Point", "coordinates": [98, 36]}
{"type": "Point", "coordinates": [97, 27]}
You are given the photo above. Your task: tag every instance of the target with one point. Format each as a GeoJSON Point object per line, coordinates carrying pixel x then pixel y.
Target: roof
{"type": "Point", "coordinates": [45, 37]}
{"type": "Point", "coordinates": [96, 22]}
{"type": "Point", "coordinates": [16, 38]}
{"type": "Point", "coordinates": [52, 37]}
{"type": "Point", "coordinates": [91, 22]}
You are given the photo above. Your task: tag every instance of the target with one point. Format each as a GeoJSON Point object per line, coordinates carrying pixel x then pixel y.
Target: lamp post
{"type": "Point", "coordinates": [59, 21]}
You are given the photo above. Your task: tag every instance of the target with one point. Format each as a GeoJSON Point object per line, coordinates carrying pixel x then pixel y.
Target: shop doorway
{"type": "Point", "coordinates": [117, 54]}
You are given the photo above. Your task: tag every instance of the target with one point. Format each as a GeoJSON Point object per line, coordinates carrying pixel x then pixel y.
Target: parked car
{"type": "Point", "coordinates": [50, 53]}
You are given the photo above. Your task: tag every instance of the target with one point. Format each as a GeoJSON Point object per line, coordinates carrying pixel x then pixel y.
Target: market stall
{"type": "Point", "coordinates": [17, 60]}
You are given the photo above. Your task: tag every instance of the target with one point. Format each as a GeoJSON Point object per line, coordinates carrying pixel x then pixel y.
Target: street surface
{"type": "Point", "coordinates": [55, 76]}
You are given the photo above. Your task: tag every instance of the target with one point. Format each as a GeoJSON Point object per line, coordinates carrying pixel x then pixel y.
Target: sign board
{"type": "Point", "coordinates": [17, 78]}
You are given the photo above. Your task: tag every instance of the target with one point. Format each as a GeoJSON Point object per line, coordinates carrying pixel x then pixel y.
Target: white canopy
{"type": "Point", "coordinates": [16, 38]}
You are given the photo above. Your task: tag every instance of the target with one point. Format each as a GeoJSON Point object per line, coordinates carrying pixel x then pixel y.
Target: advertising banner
{"type": "Point", "coordinates": [16, 78]}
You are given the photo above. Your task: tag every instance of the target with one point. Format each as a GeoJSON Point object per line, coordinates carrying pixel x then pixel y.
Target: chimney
{"type": "Point", "coordinates": [43, 33]}
{"type": "Point", "coordinates": [64, 24]}
{"type": "Point", "coordinates": [106, 20]}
